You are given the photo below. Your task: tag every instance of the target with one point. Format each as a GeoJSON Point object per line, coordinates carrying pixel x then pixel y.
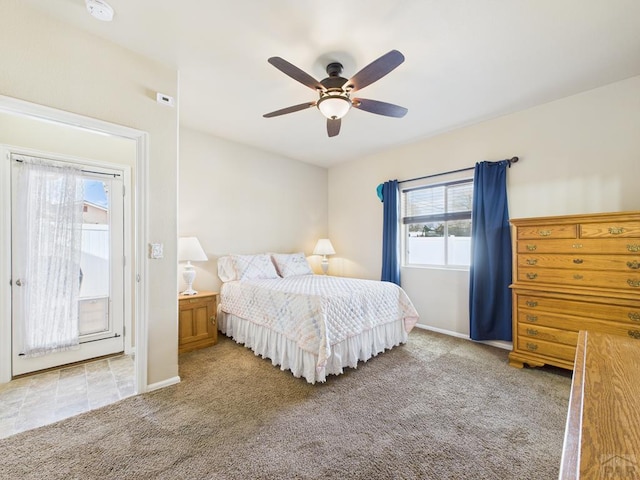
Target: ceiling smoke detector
{"type": "Point", "coordinates": [100, 9]}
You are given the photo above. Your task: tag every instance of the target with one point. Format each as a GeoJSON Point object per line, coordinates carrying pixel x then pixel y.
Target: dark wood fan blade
{"type": "Point", "coordinates": [380, 108]}
{"type": "Point", "coordinates": [333, 126]}
{"type": "Point", "coordinates": [375, 70]}
{"type": "Point", "coordinates": [294, 108]}
{"type": "Point", "coordinates": [295, 73]}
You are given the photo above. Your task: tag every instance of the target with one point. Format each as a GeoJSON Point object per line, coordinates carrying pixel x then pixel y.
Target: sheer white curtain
{"type": "Point", "coordinates": [50, 200]}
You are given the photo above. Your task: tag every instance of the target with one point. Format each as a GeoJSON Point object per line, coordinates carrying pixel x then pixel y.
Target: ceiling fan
{"type": "Point", "coordinates": [335, 91]}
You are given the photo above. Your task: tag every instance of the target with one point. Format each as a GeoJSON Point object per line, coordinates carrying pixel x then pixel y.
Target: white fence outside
{"type": "Point", "coordinates": [94, 261]}
{"type": "Point", "coordinates": [430, 251]}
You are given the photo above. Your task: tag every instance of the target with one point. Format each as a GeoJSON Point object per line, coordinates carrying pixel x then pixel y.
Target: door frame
{"type": "Point", "coordinates": [139, 291]}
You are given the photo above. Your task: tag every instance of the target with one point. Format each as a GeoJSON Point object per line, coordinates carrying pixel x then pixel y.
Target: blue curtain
{"type": "Point", "coordinates": [390, 233]}
{"type": "Point", "coordinates": [489, 294]}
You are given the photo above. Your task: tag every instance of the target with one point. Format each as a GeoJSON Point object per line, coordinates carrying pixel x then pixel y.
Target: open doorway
{"type": "Point", "coordinates": [33, 128]}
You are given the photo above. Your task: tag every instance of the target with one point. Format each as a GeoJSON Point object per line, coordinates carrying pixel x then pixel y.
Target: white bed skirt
{"type": "Point", "coordinates": [285, 353]}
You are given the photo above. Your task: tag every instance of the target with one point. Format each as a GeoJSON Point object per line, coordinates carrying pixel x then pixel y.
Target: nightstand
{"type": "Point", "coordinates": [197, 321]}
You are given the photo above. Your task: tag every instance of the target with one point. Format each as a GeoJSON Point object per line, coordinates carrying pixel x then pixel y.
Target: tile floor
{"type": "Point", "coordinates": [37, 400]}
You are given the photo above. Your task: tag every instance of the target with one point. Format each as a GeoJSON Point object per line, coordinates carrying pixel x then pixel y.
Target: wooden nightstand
{"type": "Point", "coordinates": [197, 321]}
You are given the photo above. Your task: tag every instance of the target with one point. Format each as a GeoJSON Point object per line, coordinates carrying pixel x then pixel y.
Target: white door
{"type": "Point", "coordinates": [101, 290]}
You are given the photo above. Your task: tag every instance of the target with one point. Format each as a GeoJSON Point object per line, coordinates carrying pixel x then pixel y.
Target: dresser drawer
{"type": "Point", "coordinates": [618, 263]}
{"type": "Point", "coordinates": [528, 322]}
{"type": "Point", "coordinates": [585, 278]}
{"type": "Point", "coordinates": [541, 347]}
{"type": "Point", "coordinates": [610, 230]}
{"type": "Point", "coordinates": [543, 319]}
{"type": "Point", "coordinates": [548, 231]}
{"type": "Point", "coordinates": [533, 305]}
{"type": "Point", "coordinates": [616, 246]}
{"type": "Point", "coordinates": [567, 337]}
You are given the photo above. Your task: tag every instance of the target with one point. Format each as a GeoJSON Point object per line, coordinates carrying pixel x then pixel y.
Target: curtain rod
{"type": "Point", "coordinates": [85, 171]}
{"type": "Point", "coordinates": [510, 160]}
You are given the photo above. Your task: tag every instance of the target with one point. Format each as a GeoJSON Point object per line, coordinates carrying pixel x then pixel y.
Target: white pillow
{"type": "Point", "coordinates": [226, 270]}
{"type": "Point", "coordinates": [253, 266]}
{"type": "Point", "coordinates": [289, 264]}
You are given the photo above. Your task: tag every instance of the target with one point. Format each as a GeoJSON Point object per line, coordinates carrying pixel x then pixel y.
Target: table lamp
{"type": "Point", "coordinates": [324, 248]}
{"type": "Point", "coordinates": [190, 250]}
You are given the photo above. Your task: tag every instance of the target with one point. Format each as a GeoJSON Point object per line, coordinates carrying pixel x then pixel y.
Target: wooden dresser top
{"type": "Point", "coordinates": [602, 439]}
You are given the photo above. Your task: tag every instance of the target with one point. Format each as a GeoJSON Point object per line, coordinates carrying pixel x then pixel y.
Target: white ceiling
{"type": "Point", "coordinates": [466, 61]}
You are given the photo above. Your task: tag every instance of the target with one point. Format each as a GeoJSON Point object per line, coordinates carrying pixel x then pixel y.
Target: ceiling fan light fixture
{"type": "Point", "coordinates": [334, 91]}
{"type": "Point", "coordinates": [334, 105]}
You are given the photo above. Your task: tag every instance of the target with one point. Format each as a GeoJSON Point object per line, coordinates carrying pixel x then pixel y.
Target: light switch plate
{"type": "Point", "coordinates": [155, 250]}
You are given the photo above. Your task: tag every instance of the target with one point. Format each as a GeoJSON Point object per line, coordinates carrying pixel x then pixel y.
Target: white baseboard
{"type": "Point", "coordinates": [443, 331]}
{"type": "Point", "coordinates": [498, 343]}
{"type": "Point", "coordinates": [162, 384]}
{"type": "Point", "coordinates": [494, 343]}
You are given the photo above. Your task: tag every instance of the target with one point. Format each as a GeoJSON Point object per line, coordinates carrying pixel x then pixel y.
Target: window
{"type": "Point", "coordinates": [437, 224]}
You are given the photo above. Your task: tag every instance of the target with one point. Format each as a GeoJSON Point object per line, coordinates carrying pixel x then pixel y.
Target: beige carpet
{"type": "Point", "coordinates": [436, 408]}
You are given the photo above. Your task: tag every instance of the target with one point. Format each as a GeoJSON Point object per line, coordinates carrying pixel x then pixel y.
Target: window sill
{"type": "Point", "coordinates": [456, 268]}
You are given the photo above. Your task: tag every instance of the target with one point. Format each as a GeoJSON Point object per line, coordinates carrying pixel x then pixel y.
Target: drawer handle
{"type": "Point", "coordinates": [633, 283]}
{"type": "Point", "coordinates": [634, 247]}
{"type": "Point", "coordinates": [531, 331]}
{"type": "Point", "coordinates": [532, 303]}
{"type": "Point", "coordinates": [532, 261]}
{"type": "Point", "coordinates": [531, 248]}
{"type": "Point", "coordinates": [532, 318]}
{"type": "Point", "coordinates": [534, 347]}
{"type": "Point", "coordinates": [616, 230]}
{"type": "Point", "coordinates": [544, 233]}
{"type": "Point", "coordinates": [578, 261]}
{"type": "Point", "coordinates": [634, 334]}
{"type": "Point", "coordinates": [532, 276]}
{"type": "Point", "coordinates": [577, 245]}
{"type": "Point", "coordinates": [634, 316]}
{"type": "Point", "coordinates": [578, 277]}
{"type": "Point", "coordinates": [635, 265]}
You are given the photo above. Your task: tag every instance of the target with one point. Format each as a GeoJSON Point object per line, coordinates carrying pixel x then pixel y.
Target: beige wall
{"type": "Point", "coordinates": [52, 64]}
{"type": "Point", "coordinates": [580, 154]}
{"type": "Point", "coordinates": [237, 199]}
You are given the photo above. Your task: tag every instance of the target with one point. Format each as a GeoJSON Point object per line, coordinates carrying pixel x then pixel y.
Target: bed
{"type": "Point", "coordinates": [312, 325]}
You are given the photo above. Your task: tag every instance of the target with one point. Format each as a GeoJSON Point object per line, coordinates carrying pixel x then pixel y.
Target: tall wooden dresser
{"type": "Point", "coordinates": [572, 273]}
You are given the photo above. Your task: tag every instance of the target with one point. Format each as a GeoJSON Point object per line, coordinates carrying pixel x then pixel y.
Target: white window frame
{"type": "Point", "coordinates": [404, 226]}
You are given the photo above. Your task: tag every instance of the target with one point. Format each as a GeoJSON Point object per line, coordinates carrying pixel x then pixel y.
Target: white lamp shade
{"type": "Point", "coordinates": [190, 250]}
{"type": "Point", "coordinates": [324, 247]}
{"type": "Point", "coordinates": [334, 106]}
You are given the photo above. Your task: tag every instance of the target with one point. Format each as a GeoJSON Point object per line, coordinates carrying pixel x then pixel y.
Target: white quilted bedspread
{"type": "Point", "coordinates": [318, 311]}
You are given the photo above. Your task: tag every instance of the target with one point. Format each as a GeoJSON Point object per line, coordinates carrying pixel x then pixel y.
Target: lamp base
{"type": "Point", "coordinates": [324, 265]}
{"type": "Point", "coordinates": [189, 275]}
